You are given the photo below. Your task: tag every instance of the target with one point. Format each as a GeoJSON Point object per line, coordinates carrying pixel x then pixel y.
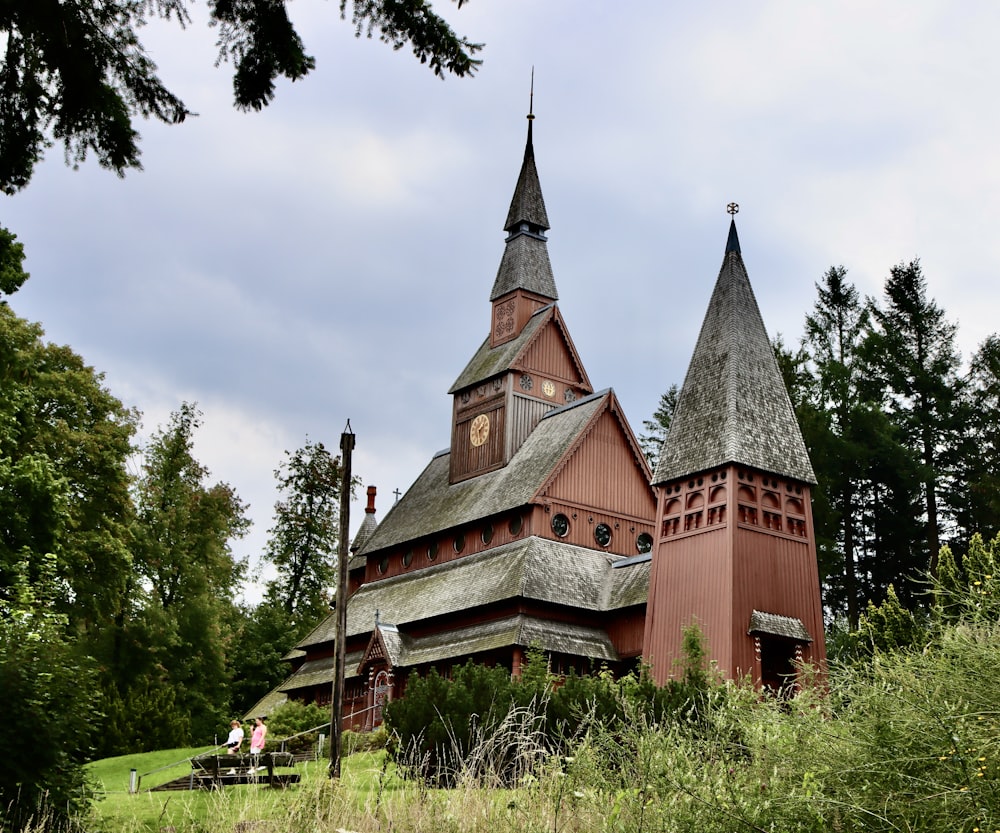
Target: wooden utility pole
{"type": "Point", "coordinates": [337, 706]}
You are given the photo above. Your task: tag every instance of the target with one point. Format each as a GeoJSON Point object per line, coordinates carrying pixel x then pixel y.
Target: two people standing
{"type": "Point", "coordinates": [257, 741]}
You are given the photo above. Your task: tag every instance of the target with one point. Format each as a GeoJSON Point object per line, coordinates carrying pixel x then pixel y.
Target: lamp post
{"type": "Point", "coordinates": [337, 706]}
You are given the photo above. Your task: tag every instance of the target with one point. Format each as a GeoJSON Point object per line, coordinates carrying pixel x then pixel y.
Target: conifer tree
{"type": "Point", "coordinates": [912, 355]}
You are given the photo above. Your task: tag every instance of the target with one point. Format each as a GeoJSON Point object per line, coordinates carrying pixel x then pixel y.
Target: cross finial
{"type": "Point", "coordinates": [397, 493]}
{"type": "Point", "coordinates": [733, 208]}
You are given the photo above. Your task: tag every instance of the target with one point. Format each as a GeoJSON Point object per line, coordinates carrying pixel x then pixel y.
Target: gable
{"type": "Point", "coordinates": [605, 469]}
{"type": "Point", "coordinates": [551, 352]}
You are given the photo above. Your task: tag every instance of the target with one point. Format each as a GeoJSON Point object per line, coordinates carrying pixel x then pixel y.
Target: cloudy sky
{"type": "Point", "coordinates": [331, 258]}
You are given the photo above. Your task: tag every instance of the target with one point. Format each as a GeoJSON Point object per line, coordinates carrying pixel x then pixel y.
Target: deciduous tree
{"type": "Point", "coordinates": [303, 541]}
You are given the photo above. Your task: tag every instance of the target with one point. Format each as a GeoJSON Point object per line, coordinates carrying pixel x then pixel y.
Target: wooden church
{"type": "Point", "coordinates": [542, 525]}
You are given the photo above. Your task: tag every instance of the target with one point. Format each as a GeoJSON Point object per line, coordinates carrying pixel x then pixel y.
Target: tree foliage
{"type": "Point", "coordinates": [304, 539]}
{"type": "Point", "coordinates": [12, 273]}
{"type": "Point", "coordinates": [654, 431]}
{"type": "Point", "coordinates": [182, 631]}
{"type": "Point", "coordinates": [64, 443]}
{"type": "Point", "coordinates": [78, 73]}
{"type": "Point", "coordinates": [47, 689]}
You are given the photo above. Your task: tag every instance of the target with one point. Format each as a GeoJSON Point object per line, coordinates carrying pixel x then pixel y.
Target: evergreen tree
{"type": "Point", "coordinates": [77, 70]}
{"type": "Point", "coordinates": [655, 429]}
{"type": "Point", "coordinates": [977, 492]}
{"type": "Point", "coordinates": [911, 353]}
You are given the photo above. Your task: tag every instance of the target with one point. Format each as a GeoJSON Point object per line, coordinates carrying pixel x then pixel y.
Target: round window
{"type": "Point", "coordinates": [487, 534]}
{"type": "Point", "coordinates": [407, 558]}
{"type": "Point", "coordinates": [459, 543]}
{"type": "Point", "coordinates": [383, 565]}
{"type": "Point", "coordinates": [515, 524]}
{"type": "Point", "coordinates": [602, 534]}
{"type": "Point", "coordinates": [644, 542]}
{"type": "Point", "coordinates": [432, 551]}
{"type": "Point", "coordinates": [560, 525]}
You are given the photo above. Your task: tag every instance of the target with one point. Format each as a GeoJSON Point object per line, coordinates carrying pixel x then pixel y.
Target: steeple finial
{"type": "Point", "coordinates": [531, 98]}
{"type": "Point", "coordinates": [733, 243]}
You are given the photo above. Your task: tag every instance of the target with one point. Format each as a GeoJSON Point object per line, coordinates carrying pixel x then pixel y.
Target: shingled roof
{"type": "Point", "coordinates": [432, 504]}
{"type": "Point", "coordinates": [733, 407]}
{"type": "Point", "coordinates": [537, 569]}
{"type": "Point", "coordinates": [525, 263]}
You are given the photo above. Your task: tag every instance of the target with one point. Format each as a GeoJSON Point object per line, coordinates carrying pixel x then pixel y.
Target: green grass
{"type": "Point", "coordinates": [363, 775]}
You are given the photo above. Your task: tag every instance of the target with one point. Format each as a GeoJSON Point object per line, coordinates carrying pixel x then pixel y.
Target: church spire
{"type": "Point", "coordinates": [525, 265]}
{"type": "Point", "coordinates": [733, 406]}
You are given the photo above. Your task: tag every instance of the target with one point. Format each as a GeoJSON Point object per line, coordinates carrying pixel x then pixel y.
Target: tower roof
{"type": "Point", "coordinates": [733, 407]}
{"type": "Point", "coordinates": [525, 264]}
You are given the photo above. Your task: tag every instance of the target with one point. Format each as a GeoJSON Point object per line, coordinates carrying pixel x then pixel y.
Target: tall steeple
{"type": "Point", "coordinates": [524, 281]}
{"type": "Point", "coordinates": [735, 549]}
{"type": "Point", "coordinates": [733, 406]}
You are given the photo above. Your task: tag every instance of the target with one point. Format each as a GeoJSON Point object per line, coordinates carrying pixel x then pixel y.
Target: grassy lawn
{"type": "Point", "coordinates": [364, 778]}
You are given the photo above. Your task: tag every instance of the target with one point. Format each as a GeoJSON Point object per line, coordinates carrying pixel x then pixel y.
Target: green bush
{"type": "Point", "coordinates": [292, 721]}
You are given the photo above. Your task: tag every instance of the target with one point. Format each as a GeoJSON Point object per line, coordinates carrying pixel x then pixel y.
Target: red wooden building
{"type": "Point", "coordinates": [537, 525]}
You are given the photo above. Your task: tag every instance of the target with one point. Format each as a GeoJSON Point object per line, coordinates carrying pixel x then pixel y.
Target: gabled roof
{"type": "Point", "coordinates": [733, 407]}
{"type": "Point", "coordinates": [492, 361]}
{"type": "Point", "coordinates": [774, 625]}
{"type": "Point", "coordinates": [520, 630]}
{"type": "Point", "coordinates": [536, 569]}
{"type": "Point", "coordinates": [432, 504]}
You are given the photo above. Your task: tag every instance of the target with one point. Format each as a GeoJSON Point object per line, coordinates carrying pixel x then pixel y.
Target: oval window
{"type": "Point", "coordinates": [560, 525]}
{"type": "Point", "coordinates": [383, 565]}
{"type": "Point", "coordinates": [407, 558]}
{"type": "Point", "coordinates": [644, 542]}
{"type": "Point", "coordinates": [487, 535]}
{"type": "Point", "coordinates": [602, 534]}
{"type": "Point", "coordinates": [432, 551]}
{"type": "Point", "coordinates": [515, 525]}
{"type": "Point", "coordinates": [459, 543]}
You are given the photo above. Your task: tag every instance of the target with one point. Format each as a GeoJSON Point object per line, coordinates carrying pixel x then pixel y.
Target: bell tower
{"type": "Point", "coordinates": [735, 549]}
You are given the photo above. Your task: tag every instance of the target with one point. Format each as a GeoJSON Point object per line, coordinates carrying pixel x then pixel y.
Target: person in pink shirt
{"type": "Point", "coordinates": [257, 739]}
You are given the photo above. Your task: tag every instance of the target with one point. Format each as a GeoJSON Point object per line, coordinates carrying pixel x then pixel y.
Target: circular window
{"type": "Point", "coordinates": [407, 558]}
{"type": "Point", "coordinates": [644, 542]}
{"type": "Point", "coordinates": [487, 534]}
{"type": "Point", "coordinates": [516, 524]}
{"type": "Point", "coordinates": [432, 551]}
{"type": "Point", "coordinates": [560, 525]}
{"type": "Point", "coordinates": [383, 565]}
{"type": "Point", "coordinates": [459, 543]}
{"type": "Point", "coordinates": [602, 534]}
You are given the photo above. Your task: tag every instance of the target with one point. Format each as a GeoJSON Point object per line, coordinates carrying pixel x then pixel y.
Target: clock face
{"type": "Point", "coordinates": [479, 430]}
{"type": "Point", "coordinates": [549, 388]}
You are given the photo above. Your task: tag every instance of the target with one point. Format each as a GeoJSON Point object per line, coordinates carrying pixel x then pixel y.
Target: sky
{"type": "Point", "coordinates": [331, 258]}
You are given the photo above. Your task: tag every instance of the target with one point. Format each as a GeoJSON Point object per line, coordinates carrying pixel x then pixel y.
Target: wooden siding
{"type": "Point", "coordinates": [453, 543]}
{"type": "Point", "coordinates": [604, 474]}
{"type": "Point", "coordinates": [468, 460]}
{"type": "Point", "coordinates": [690, 583]}
{"type": "Point", "coordinates": [731, 541]}
{"type": "Point", "coordinates": [524, 414]}
{"type": "Point", "coordinates": [549, 355]}
{"type": "Point", "coordinates": [626, 632]}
